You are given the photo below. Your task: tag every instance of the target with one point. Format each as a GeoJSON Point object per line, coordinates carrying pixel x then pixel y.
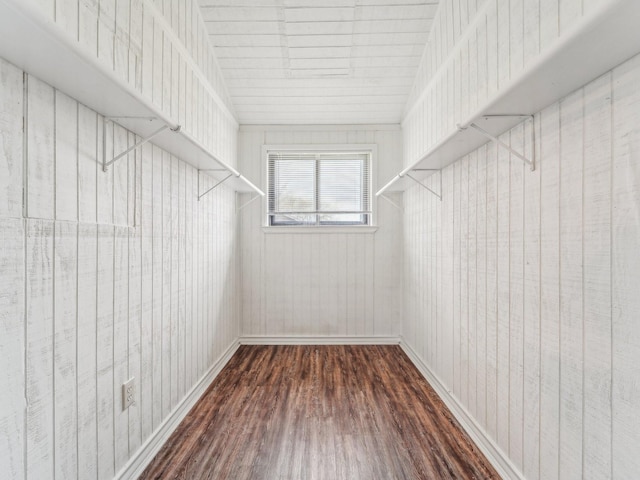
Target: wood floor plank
{"type": "Point", "coordinates": [319, 412]}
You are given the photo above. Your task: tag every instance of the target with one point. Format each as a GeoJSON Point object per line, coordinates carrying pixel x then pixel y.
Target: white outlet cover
{"type": "Point", "coordinates": [128, 393]}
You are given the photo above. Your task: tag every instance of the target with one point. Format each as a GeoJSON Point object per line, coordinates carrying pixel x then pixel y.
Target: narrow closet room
{"type": "Point", "coordinates": [319, 239]}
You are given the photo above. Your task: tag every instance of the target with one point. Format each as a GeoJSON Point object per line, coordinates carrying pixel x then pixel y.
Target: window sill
{"type": "Point", "coordinates": [321, 230]}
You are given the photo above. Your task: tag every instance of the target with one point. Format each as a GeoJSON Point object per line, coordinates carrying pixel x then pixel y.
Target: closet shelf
{"type": "Point", "coordinates": [604, 38]}
{"type": "Point", "coordinates": [34, 43]}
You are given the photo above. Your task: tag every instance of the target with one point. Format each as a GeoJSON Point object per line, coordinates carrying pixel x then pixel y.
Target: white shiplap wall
{"type": "Point", "coordinates": [108, 276]}
{"type": "Point", "coordinates": [519, 284]}
{"type": "Point", "coordinates": [327, 284]}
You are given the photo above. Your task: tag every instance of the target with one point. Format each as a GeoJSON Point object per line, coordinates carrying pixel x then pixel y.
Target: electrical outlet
{"type": "Point", "coordinates": [128, 393]}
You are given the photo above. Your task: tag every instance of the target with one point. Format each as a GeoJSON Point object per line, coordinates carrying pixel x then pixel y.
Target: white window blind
{"type": "Point", "coordinates": [311, 188]}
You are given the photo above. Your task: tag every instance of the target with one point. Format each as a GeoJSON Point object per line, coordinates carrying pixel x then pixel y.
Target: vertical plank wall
{"type": "Point", "coordinates": [320, 285]}
{"type": "Point", "coordinates": [108, 276]}
{"type": "Point", "coordinates": [521, 287]}
{"type": "Point", "coordinates": [160, 48]}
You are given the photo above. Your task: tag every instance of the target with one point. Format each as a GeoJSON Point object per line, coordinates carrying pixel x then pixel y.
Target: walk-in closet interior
{"type": "Point", "coordinates": [319, 239]}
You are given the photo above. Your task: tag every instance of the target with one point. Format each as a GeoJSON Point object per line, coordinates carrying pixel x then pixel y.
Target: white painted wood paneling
{"type": "Point", "coordinates": [320, 284]}
{"type": "Point", "coordinates": [491, 286]}
{"type": "Point", "coordinates": [87, 23]}
{"type": "Point", "coordinates": [66, 158]}
{"type": "Point", "coordinates": [11, 149]}
{"type": "Point", "coordinates": [503, 238]}
{"type": "Point", "coordinates": [104, 353]}
{"type": "Point", "coordinates": [549, 160]}
{"type": "Point", "coordinates": [120, 172]}
{"type": "Point", "coordinates": [571, 280]}
{"type": "Point", "coordinates": [157, 294]}
{"type": "Point", "coordinates": [87, 164]}
{"type": "Point", "coordinates": [65, 349]}
{"type": "Point", "coordinates": [147, 306]}
{"type": "Point", "coordinates": [481, 287]}
{"type": "Point", "coordinates": [516, 300]}
{"type": "Point", "coordinates": [105, 180]}
{"type": "Point", "coordinates": [550, 318]}
{"type": "Point", "coordinates": [555, 260]}
{"type": "Point", "coordinates": [40, 150]}
{"type": "Point", "coordinates": [39, 354]}
{"type": "Point", "coordinates": [597, 196]}
{"type": "Point", "coordinates": [86, 248]}
{"type": "Point", "coordinates": [12, 347]}
{"type": "Point", "coordinates": [532, 312]}
{"type": "Point", "coordinates": [120, 325]}
{"type": "Point", "coordinates": [106, 31]}
{"type": "Point", "coordinates": [519, 287]}
{"type": "Point", "coordinates": [165, 292]}
{"type": "Point", "coordinates": [87, 353]}
{"type": "Point", "coordinates": [625, 269]}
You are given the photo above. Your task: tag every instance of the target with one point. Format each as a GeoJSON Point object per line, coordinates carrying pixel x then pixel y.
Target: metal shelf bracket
{"type": "Point", "coordinates": [105, 164]}
{"type": "Point", "coordinates": [439, 195]}
{"type": "Point", "coordinates": [529, 161]}
{"type": "Point", "coordinates": [393, 203]}
{"type": "Point", "coordinates": [248, 202]}
{"type": "Point", "coordinates": [200, 195]}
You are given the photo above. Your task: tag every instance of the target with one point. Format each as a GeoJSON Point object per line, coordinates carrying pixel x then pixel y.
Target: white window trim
{"type": "Point", "coordinates": [351, 147]}
{"type": "Point", "coordinates": [313, 229]}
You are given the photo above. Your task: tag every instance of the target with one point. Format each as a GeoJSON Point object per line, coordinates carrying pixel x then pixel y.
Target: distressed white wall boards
{"type": "Point", "coordinates": [606, 37]}
{"type": "Point", "coordinates": [40, 47]}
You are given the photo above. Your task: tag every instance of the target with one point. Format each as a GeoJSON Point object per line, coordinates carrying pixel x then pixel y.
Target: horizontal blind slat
{"type": "Point", "coordinates": [319, 187]}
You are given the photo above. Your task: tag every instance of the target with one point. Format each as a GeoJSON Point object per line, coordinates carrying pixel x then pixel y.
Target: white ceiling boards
{"type": "Point", "coordinates": [318, 62]}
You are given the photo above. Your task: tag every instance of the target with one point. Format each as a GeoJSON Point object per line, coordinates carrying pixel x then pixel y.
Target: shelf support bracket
{"type": "Point", "coordinates": [439, 195]}
{"type": "Point", "coordinates": [200, 195]}
{"type": "Point", "coordinates": [528, 161]}
{"type": "Point", "coordinates": [393, 204]}
{"type": "Point", "coordinates": [105, 164]}
{"type": "Point", "coordinates": [253, 198]}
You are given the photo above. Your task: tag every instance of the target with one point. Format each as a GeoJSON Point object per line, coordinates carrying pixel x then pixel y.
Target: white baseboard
{"type": "Point", "coordinates": [136, 465]}
{"type": "Point", "coordinates": [317, 340]}
{"type": "Point", "coordinates": [486, 445]}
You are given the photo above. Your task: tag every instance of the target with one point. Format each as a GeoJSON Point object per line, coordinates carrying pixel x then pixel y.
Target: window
{"type": "Point", "coordinates": [319, 188]}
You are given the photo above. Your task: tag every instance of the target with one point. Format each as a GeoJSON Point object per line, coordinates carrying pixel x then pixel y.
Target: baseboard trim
{"type": "Point", "coordinates": [318, 340]}
{"type": "Point", "coordinates": [136, 465]}
{"type": "Point", "coordinates": [486, 445]}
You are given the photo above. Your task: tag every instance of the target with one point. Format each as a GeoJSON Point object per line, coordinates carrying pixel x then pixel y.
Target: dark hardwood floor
{"type": "Point", "coordinates": [319, 412]}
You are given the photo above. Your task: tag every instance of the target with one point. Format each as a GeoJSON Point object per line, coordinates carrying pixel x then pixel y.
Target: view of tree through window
{"type": "Point", "coordinates": [311, 188]}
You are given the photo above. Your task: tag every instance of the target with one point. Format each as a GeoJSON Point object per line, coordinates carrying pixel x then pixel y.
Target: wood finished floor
{"type": "Point", "coordinates": [319, 412]}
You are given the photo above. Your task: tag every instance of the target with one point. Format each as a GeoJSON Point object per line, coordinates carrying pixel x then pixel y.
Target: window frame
{"type": "Point", "coordinates": [370, 149]}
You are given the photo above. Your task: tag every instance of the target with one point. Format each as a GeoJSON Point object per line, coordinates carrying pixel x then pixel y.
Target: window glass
{"type": "Point", "coordinates": [311, 188]}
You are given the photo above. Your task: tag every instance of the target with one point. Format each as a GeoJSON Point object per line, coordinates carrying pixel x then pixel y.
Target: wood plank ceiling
{"type": "Point", "coordinates": [318, 61]}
